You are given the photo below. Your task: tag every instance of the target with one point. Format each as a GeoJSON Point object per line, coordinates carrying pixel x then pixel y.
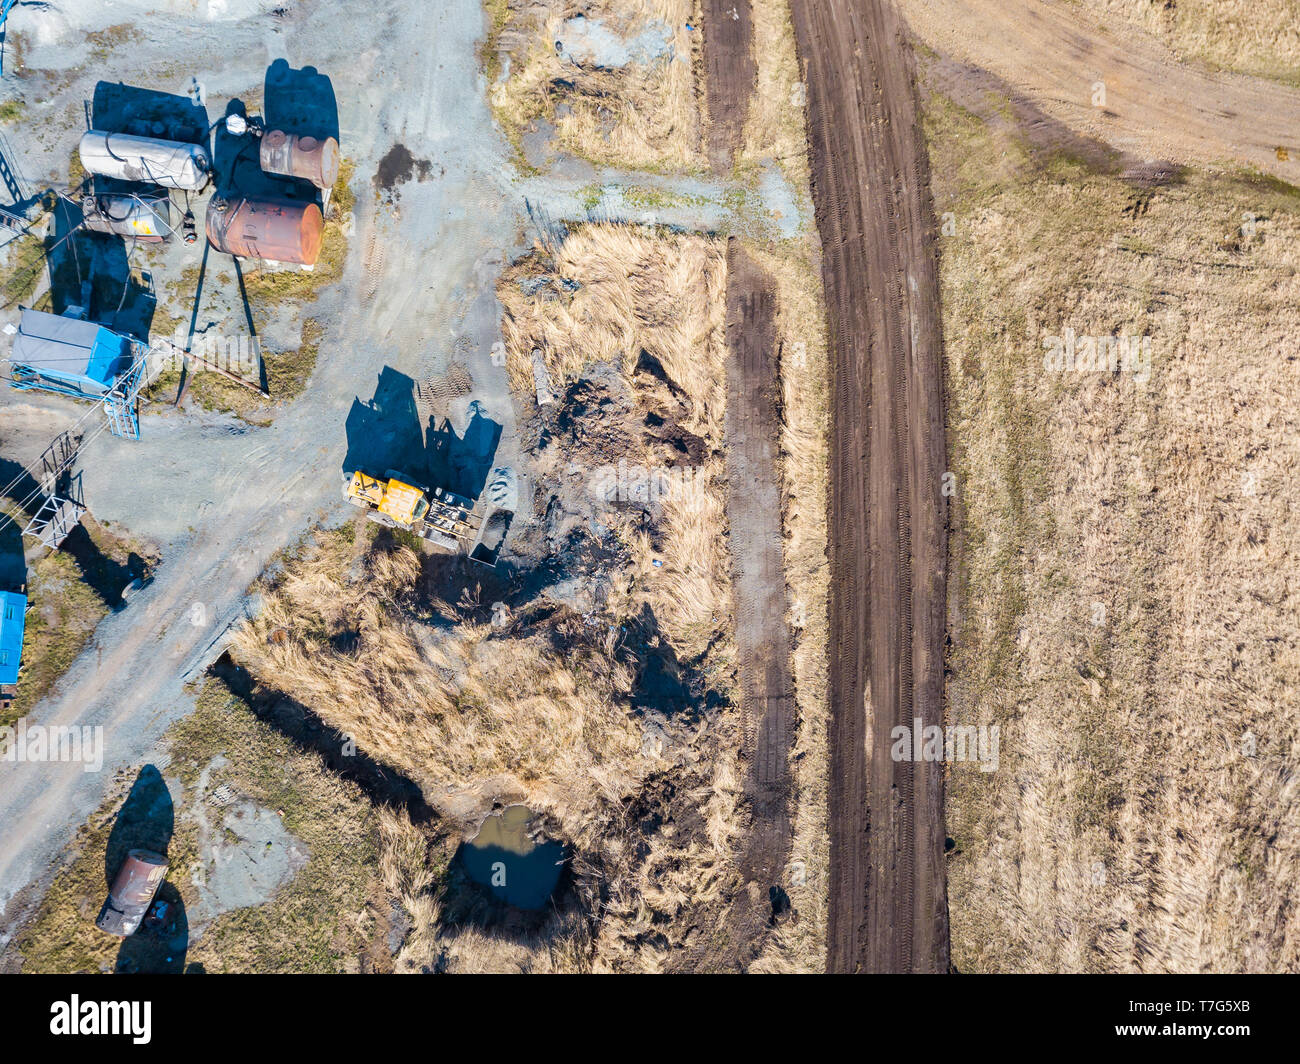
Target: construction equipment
{"type": "Point", "coordinates": [441, 517]}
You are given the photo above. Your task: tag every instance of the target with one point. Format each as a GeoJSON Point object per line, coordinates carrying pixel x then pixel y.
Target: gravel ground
{"type": "Point", "coordinates": [217, 496]}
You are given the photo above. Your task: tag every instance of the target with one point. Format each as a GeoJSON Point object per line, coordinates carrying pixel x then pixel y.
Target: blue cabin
{"type": "Point", "coordinates": [67, 355]}
{"type": "Point", "coordinates": [13, 610]}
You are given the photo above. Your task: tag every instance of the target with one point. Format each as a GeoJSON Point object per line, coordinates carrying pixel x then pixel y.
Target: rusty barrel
{"type": "Point", "coordinates": [290, 155]}
{"type": "Point", "coordinates": [132, 892]}
{"type": "Point", "coordinates": [278, 231]}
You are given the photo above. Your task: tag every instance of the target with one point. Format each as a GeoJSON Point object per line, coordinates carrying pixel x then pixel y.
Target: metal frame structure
{"type": "Point", "coordinates": [63, 507]}
{"type": "Point", "coordinates": [121, 402]}
{"type": "Point", "coordinates": [55, 520]}
{"type": "Point", "coordinates": [4, 15]}
{"type": "Point", "coordinates": [13, 215]}
{"type": "Point", "coordinates": [57, 459]}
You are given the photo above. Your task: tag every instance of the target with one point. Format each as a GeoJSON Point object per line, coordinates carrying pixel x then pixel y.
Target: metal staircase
{"type": "Point", "coordinates": [122, 403]}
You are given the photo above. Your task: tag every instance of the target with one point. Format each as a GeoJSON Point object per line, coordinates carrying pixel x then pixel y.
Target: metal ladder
{"type": "Point", "coordinates": [10, 176]}
{"type": "Point", "coordinates": [121, 404]}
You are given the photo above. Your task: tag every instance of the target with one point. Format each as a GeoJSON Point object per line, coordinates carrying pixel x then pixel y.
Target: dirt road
{"type": "Point", "coordinates": [753, 429]}
{"type": "Point", "coordinates": [888, 909]}
{"type": "Point", "coordinates": [1153, 106]}
{"type": "Point", "coordinates": [730, 73]}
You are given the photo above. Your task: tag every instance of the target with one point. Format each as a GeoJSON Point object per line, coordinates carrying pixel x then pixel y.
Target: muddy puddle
{"type": "Point", "coordinates": [517, 869]}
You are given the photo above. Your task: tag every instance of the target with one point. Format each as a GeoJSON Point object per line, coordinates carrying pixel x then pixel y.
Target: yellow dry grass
{"type": "Point", "coordinates": [446, 707]}
{"type": "Point", "coordinates": [405, 865]}
{"type": "Point", "coordinates": [470, 715]}
{"type": "Point", "coordinates": [663, 294]}
{"type": "Point", "coordinates": [774, 127]}
{"type": "Point", "coordinates": [643, 115]}
{"type": "Point", "coordinates": [1247, 36]}
{"type": "Point", "coordinates": [1127, 613]}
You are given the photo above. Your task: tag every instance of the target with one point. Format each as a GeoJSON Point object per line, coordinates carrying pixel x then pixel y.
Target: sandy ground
{"type": "Point", "coordinates": [1152, 107]}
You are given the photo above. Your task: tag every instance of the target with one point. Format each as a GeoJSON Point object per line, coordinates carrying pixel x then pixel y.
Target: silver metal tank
{"type": "Point", "coordinates": [169, 163]}
{"type": "Point", "coordinates": [142, 217]}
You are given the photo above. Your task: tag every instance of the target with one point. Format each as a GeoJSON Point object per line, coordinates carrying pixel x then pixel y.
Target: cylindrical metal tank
{"type": "Point", "coordinates": [265, 229]}
{"type": "Point", "coordinates": [132, 892]}
{"type": "Point", "coordinates": [169, 163]}
{"type": "Point", "coordinates": [142, 217]}
{"type": "Point", "coordinates": [290, 155]}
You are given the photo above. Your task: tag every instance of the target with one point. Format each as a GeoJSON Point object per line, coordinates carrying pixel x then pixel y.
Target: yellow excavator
{"type": "Point", "coordinates": [394, 501]}
{"type": "Point", "coordinates": [441, 517]}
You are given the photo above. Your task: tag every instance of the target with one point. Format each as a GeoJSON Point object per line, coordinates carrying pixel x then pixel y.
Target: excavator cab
{"type": "Point", "coordinates": [395, 501]}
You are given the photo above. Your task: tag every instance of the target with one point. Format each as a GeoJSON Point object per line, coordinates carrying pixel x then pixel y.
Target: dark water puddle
{"type": "Point", "coordinates": [518, 870]}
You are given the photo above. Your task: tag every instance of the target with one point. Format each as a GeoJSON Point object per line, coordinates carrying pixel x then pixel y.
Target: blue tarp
{"type": "Point", "coordinates": [69, 353]}
{"type": "Point", "coordinates": [13, 610]}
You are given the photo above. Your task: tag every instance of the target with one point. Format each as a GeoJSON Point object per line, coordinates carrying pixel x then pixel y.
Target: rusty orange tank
{"type": "Point", "coordinates": [278, 231]}
{"type": "Point", "coordinates": [290, 155]}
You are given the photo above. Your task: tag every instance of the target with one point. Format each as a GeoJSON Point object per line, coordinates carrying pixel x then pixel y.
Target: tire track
{"type": "Point", "coordinates": [1153, 107]}
{"type": "Point", "coordinates": [731, 73]}
{"type": "Point", "coordinates": [756, 544]}
{"type": "Point", "coordinates": [888, 909]}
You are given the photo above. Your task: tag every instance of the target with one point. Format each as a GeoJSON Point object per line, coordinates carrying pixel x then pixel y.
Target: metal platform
{"type": "Point", "coordinates": [121, 401]}
{"type": "Point", "coordinates": [54, 521]}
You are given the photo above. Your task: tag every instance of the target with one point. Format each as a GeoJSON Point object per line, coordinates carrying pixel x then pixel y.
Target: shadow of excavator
{"type": "Point", "coordinates": [387, 433]}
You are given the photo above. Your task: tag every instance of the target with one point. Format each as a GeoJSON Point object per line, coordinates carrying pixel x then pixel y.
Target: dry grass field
{"type": "Point", "coordinates": [540, 713]}
{"type": "Point", "coordinates": [644, 295]}
{"type": "Point", "coordinates": [550, 709]}
{"type": "Point", "coordinates": [544, 710]}
{"type": "Point", "coordinates": [641, 114]}
{"type": "Point", "coordinates": [1124, 609]}
{"type": "Point", "coordinates": [1259, 37]}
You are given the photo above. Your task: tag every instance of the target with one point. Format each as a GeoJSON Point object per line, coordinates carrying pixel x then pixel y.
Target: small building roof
{"type": "Point", "coordinates": [13, 610]}
{"type": "Point", "coordinates": [80, 354]}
